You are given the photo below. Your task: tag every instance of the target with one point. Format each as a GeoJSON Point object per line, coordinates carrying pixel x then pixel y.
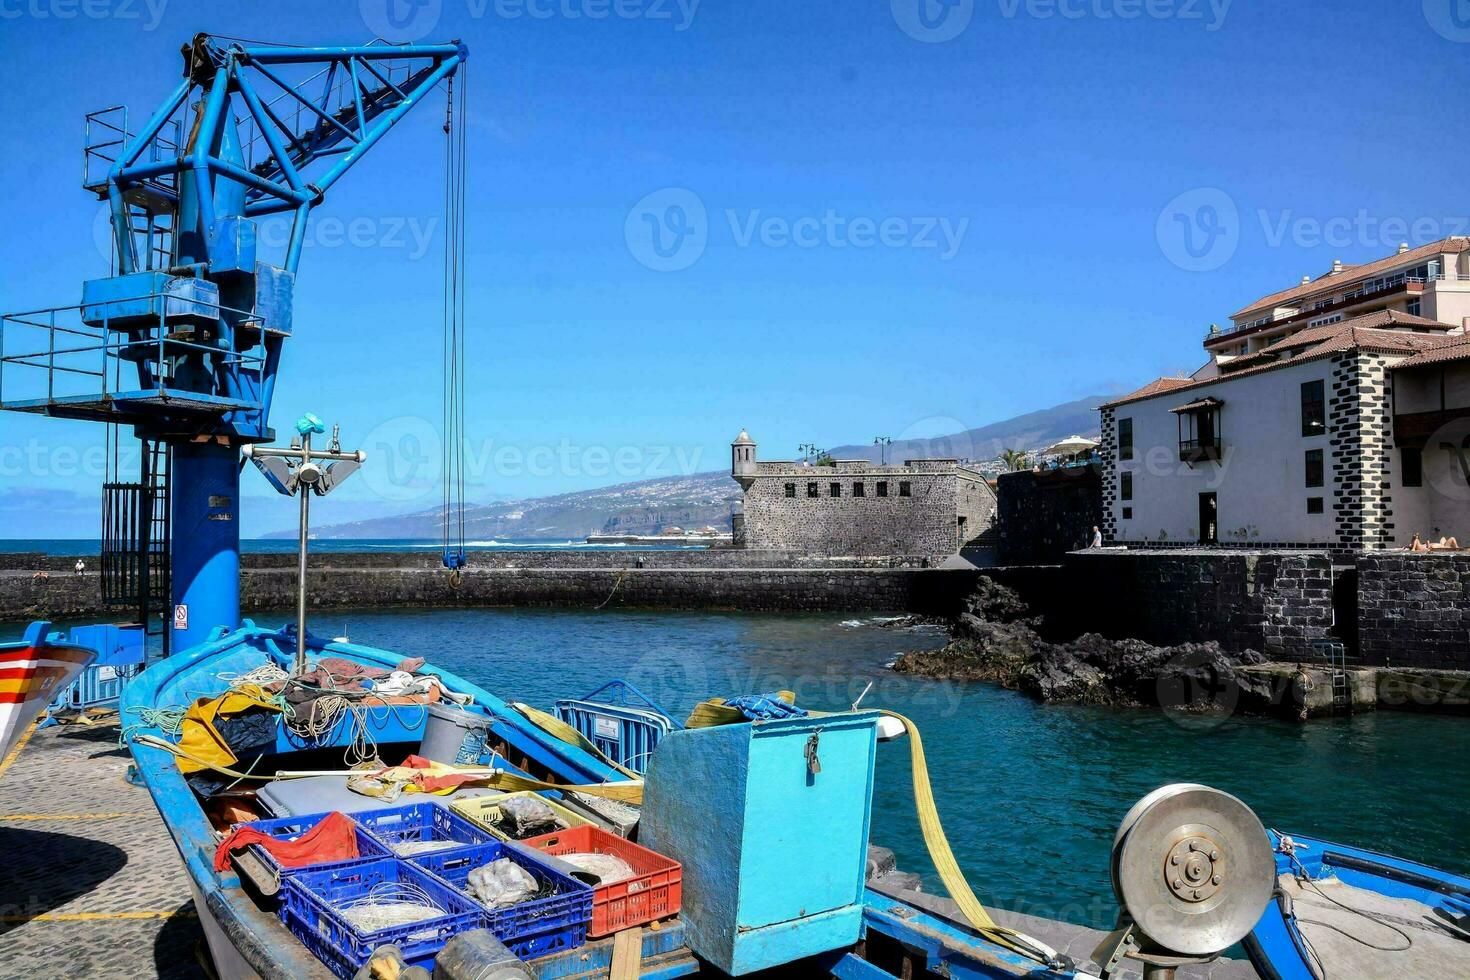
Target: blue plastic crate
{"type": "Point", "coordinates": [310, 909]}
{"type": "Point", "coordinates": [290, 828]}
{"type": "Point", "coordinates": [534, 928]}
{"type": "Point", "coordinates": [420, 822]}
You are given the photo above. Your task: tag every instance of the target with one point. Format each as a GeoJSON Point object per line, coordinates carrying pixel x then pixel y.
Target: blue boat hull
{"type": "Point", "coordinates": [1276, 946]}
{"type": "Point", "coordinates": [247, 941]}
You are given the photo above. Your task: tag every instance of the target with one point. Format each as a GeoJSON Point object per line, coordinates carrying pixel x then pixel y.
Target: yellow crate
{"type": "Point", "coordinates": [484, 812]}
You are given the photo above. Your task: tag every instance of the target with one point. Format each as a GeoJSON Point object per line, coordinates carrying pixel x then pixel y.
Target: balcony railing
{"type": "Point", "coordinates": [1369, 290]}
{"type": "Point", "coordinates": [1199, 450]}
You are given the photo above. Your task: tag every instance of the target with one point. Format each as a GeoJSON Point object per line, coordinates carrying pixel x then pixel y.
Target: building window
{"type": "Point", "coordinates": [1314, 505]}
{"type": "Point", "coordinates": [905, 489]}
{"type": "Point", "coordinates": [859, 490]}
{"type": "Point", "coordinates": [1314, 468]}
{"type": "Point", "coordinates": [834, 490]}
{"type": "Point", "coordinates": [790, 489]}
{"type": "Point", "coordinates": [1127, 513]}
{"type": "Point", "coordinates": [1125, 438]}
{"type": "Point", "coordinates": [1412, 474]}
{"type": "Point", "coordinates": [1199, 431]}
{"type": "Point", "coordinates": [811, 490]}
{"type": "Point", "coordinates": [1314, 408]}
{"type": "Point", "coordinates": [1127, 486]}
{"type": "Point", "coordinates": [882, 488]}
{"type": "Point", "coordinates": [1415, 305]}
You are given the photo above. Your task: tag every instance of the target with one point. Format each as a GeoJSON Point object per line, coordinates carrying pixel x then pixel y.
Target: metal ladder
{"type": "Point", "coordinates": [1333, 654]}
{"type": "Point", "coordinates": [135, 540]}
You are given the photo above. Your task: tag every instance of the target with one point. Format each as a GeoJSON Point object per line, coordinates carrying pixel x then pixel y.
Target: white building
{"type": "Point", "coordinates": [1335, 414]}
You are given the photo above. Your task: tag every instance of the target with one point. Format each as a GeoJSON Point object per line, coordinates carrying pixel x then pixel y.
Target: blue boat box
{"type": "Point", "coordinates": [774, 849]}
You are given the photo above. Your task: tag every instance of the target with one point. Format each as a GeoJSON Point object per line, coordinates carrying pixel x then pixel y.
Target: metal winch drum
{"type": "Point", "coordinates": [1193, 869]}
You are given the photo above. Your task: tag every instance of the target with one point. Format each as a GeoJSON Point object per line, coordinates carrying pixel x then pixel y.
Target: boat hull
{"type": "Point", "coordinates": [1277, 947]}
{"type": "Point", "coordinates": [32, 672]}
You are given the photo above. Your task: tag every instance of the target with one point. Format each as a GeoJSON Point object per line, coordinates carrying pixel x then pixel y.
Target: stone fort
{"type": "Point", "coordinates": [928, 507]}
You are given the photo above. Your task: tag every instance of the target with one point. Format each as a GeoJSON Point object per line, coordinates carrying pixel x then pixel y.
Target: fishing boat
{"type": "Point", "coordinates": [32, 671]}
{"type": "Point", "coordinates": [245, 934]}
{"type": "Point", "coordinates": [1340, 911]}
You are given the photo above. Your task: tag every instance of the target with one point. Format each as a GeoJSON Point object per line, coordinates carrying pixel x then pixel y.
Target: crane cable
{"type": "Point", "coordinates": [453, 474]}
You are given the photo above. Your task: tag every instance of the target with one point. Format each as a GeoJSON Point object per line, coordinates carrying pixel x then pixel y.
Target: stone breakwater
{"type": "Point", "coordinates": [996, 640]}
{"type": "Point", "coordinates": [669, 580]}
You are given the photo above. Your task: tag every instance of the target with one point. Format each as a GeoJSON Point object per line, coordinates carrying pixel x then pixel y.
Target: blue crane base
{"type": "Point", "coordinates": [205, 503]}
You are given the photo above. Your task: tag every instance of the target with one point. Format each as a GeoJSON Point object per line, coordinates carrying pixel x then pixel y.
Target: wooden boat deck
{"type": "Point", "coordinates": [1341, 938]}
{"type": "Point", "coordinates": [90, 884]}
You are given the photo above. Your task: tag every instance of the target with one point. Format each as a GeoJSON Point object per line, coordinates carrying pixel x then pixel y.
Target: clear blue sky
{"type": "Point", "coordinates": [910, 224]}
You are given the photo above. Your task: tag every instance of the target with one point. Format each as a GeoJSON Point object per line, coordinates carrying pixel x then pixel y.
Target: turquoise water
{"type": "Point", "coordinates": [1030, 795]}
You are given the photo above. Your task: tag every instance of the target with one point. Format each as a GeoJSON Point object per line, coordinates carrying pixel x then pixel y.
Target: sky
{"type": "Point", "coordinates": [821, 221]}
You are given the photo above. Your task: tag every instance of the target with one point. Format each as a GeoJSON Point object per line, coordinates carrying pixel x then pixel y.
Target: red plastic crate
{"type": "Point", "coordinates": [654, 891]}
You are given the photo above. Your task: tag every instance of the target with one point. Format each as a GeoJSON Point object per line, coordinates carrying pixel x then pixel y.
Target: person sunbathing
{"type": "Point", "coordinates": [1443, 544]}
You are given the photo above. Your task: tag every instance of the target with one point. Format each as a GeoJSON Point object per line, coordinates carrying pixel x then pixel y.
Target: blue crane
{"type": "Point", "coordinates": [184, 341]}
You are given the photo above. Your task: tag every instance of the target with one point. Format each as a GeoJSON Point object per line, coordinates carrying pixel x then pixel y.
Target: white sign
{"type": "Point", "coordinates": [107, 673]}
{"type": "Point", "coordinates": [606, 727]}
{"type": "Point", "coordinates": [181, 616]}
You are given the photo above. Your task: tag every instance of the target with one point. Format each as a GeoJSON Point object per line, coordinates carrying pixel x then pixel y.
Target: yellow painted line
{"type": "Point", "coordinates": [101, 916]}
{"type": "Point", "coordinates": [18, 746]}
{"type": "Point", "coordinates": [74, 816]}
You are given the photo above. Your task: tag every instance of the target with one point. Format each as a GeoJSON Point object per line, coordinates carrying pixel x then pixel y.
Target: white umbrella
{"type": "Point", "coordinates": [1070, 446]}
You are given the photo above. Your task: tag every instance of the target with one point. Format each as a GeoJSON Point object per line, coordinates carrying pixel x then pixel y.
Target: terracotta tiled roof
{"type": "Point", "coordinates": [1457, 349]}
{"type": "Point", "coordinates": [1363, 332]}
{"type": "Point", "coordinates": [1156, 387]}
{"type": "Point", "coordinates": [1352, 273]}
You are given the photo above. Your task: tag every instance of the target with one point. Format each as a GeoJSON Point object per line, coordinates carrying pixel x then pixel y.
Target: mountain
{"type": "Point", "coordinates": [1034, 430]}
{"type": "Point", "coordinates": [643, 507]}
{"type": "Point", "coordinates": [693, 501]}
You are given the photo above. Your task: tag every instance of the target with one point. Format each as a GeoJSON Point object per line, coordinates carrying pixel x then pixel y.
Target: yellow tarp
{"type": "Point", "coordinates": [197, 734]}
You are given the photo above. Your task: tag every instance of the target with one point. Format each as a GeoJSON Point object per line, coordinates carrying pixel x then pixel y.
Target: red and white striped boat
{"type": "Point", "coordinates": [31, 672]}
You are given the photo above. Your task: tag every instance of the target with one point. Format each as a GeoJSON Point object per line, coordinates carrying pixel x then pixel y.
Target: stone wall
{"type": "Point", "coordinates": [340, 586]}
{"type": "Point", "coordinates": [1274, 602]}
{"type": "Point", "coordinates": [1414, 610]}
{"type": "Point", "coordinates": [817, 509]}
{"type": "Point", "coordinates": [1044, 515]}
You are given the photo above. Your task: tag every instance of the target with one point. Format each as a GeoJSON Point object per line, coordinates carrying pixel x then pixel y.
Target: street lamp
{"type": "Point", "coordinates": [807, 449]}
{"type": "Point", "coordinates": [883, 442]}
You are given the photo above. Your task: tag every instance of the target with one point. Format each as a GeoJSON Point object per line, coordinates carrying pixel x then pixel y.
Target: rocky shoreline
{"type": "Point", "coordinates": [997, 640]}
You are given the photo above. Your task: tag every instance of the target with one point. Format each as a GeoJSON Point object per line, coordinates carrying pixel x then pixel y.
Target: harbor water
{"type": "Point", "coordinates": [1030, 795]}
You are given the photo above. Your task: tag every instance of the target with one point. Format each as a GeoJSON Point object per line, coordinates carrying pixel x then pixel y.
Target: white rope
{"type": "Point", "coordinates": [389, 904]}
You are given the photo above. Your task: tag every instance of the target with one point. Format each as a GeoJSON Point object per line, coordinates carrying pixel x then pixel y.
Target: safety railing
{"type": "Point", "coordinates": [51, 356]}
{"type": "Point", "coordinates": [108, 135]}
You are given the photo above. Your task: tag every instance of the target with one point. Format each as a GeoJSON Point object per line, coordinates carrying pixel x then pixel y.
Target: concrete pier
{"type": "Point", "coordinates": [90, 883]}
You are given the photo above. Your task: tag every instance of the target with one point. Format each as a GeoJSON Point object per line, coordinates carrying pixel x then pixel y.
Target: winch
{"type": "Point", "coordinates": [1193, 871]}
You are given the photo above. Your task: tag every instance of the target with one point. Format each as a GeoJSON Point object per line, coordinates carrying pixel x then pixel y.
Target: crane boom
{"type": "Point", "coordinates": [190, 331]}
